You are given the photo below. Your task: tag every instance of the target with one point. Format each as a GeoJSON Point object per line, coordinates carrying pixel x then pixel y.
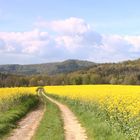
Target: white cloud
{"type": "Point", "coordinates": [23, 42]}
{"type": "Point", "coordinates": [134, 41]}
{"type": "Point", "coordinates": [69, 38]}
{"type": "Point", "coordinates": [68, 26]}
{"type": "Point", "coordinates": [76, 42]}
{"type": "Point", "coordinates": [115, 43]}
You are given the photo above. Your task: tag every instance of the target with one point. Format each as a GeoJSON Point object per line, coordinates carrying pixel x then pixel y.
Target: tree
{"type": "Point", "coordinates": [130, 80]}
{"type": "Point", "coordinates": [40, 83]}
{"type": "Point", "coordinates": [85, 79]}
{"type": "Point", "coordinates": [95, 79]}
{"type": "Point", "coordinates": [113, 80]}
{"type": "Point", "coordinates": [33, 82]}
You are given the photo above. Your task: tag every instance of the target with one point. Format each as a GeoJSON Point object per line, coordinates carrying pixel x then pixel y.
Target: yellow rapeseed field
{"type": "Point", "coordinates": [9, 92]}
{"type": "Point", "coordinates": [126, 99]}
{"type": "Point", "coordinates": [120, 104]}
{"type": "Point", "coordinates": [123, 99]}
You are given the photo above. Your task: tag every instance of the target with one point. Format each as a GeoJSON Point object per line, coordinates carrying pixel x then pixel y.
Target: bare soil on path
{"type": "Point", "coordinates": [27, 126]}
{"type": "Point", "coordinates": [72, 127]}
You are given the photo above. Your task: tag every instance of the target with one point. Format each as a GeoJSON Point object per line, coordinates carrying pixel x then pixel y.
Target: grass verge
{"type": "Point", "coordinates": [51, 125]}
{"type": "Point", "coordinates": [10, 114]}
{"type": "Point", "coordinates": [93, 120]}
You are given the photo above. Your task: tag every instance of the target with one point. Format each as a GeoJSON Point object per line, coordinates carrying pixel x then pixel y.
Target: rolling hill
{"type": "Point", "coordinates": [46, 68]}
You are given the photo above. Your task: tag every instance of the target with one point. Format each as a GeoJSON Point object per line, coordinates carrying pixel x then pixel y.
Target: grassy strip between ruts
{"type": "Point", "coordinates": [92, 119]}
{"type": "Point", "coordinates": [51, 125]}
{"type": "Point", "coordinates": [19, 108]}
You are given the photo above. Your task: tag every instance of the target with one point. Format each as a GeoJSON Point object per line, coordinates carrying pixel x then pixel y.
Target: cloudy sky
{"type": "Point", "coordinates": [38, 31]}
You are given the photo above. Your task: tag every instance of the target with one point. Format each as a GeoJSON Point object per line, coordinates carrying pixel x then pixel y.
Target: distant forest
{"type": "Point", "coordinates": [127, 73]}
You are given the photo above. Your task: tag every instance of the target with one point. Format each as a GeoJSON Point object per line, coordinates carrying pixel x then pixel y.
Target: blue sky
{"type": "Point", "coordinates": [107, 16]}
{"type": "Point", "coordinates": [101, 27]}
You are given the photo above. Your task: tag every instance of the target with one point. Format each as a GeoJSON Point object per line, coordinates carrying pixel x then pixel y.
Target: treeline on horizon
{"type": "Point", "coordinates": [127, 73]}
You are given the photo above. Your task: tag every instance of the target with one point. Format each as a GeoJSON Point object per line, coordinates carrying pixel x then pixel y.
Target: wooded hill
{"type": "Point", "coordinates": [73, 72]}
{"type": "Point", "coordinates": [46, 68]}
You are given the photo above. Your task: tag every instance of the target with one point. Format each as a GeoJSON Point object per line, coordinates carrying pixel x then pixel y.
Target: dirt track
{"type": "Point", "coordinates": [27, 126]}
{"type": "Point", "coordinates": [73, 129]}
